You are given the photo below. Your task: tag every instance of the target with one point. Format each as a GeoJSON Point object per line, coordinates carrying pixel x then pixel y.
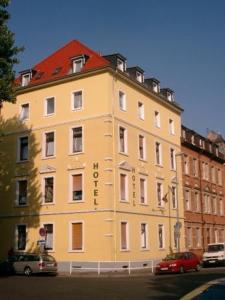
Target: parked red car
{"type": "Point", "coordinates": [178, 263]}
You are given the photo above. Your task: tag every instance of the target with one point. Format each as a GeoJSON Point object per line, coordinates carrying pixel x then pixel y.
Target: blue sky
{"type": "Point", "coordinates": [180, 42]}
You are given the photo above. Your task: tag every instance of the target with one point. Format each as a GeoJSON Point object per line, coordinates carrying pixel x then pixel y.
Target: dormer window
{"type": "Point", "coordinates": [139, 77]}
{"type": "Point", "coordinates": [26, 79]}
{"type": "Point", "coordinates": [193, 140]}
{"type": "Point", "coordinates": [170, 96]}
{"type": "Point", "coordinates": [78, 64]}
{"type": "Point", "coordinates": [121, 65]}
{"type": "Point", "coordinates": [155, 87]}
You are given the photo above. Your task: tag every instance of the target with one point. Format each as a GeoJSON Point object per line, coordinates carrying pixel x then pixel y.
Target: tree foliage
{"type": "Point", "coordinates": [8, 56]}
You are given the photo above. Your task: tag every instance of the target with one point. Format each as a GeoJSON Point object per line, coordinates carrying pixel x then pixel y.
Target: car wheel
{"type": "Point", "coordinates": [181, 270]}
{"type": "Point", "coordinates": [27, 271]}
{"type": "Point", "coordinates": [197, 268]}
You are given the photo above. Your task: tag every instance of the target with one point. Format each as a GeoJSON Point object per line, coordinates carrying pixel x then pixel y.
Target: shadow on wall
{"type": "Point", "coordinates": [20, 192]}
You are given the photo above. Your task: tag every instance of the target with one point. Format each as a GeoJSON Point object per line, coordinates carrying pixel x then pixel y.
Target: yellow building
{"type": "Point", "coordinates": [91, 153]}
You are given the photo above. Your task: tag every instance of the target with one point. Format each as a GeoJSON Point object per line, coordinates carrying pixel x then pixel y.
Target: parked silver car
{"type": "Point", "coordinates": [29, 263]}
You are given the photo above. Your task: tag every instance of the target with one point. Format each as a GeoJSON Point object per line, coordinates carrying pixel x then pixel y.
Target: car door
{"type": "Point", "coordinates": [187, 261]}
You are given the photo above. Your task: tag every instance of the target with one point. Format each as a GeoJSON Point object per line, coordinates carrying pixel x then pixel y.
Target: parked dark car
{"type": "Point", "coordinates": [178, 263]}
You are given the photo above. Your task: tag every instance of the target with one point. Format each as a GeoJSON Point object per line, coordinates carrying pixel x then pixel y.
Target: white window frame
{"type": "Point", "coordinates": [126, 187]}
{"type": "Point", "coordinates": [221, 206]}
{"type": "Point", "coordinates": [22, 118]}
{"type": "Point", "coordinates": [158, 163]}
{"type": "Point", "coordinates": [127, 236]}
{"type": "Point", "coordinates": [125, 140]}
{"type": "Point", "coordinates": [19, 148]}
{"type": "Point", "coordinates": [26, 78]}
{"type": "Point", "coordinates": [17, 235]}
{"type": "Point", "coordinates": [53, 235]}
{"type": "Point", "coordinates": [71, 140]}
{"type": "Point", "coordinates": [174, 196]}
{"type": "Point", "coordinates": [160, 202]}
{"type": "Point", "coordinates": [71, 187]}
{"type": "Point", "coordinates": [141, 110]}
{"type": "Point", "coordinates": [46, 106]}
{"type": "Point", "coordinates": [43, 189]}
{"type": "Point", "coordinates": [163, 236]}
{"type": "Point", "coordinates": [172, 159]}
{"type": "Point", "coordinates": [187, 199]}
{"type": "Point", "coordinates": [171, 127]}
{"type": "Point", "coordinates": [123, 102]}
{"type": "Point", "coordinates": [142, 247]}
{"type": "Point", "coordinates": [44, 144]}
{"type": "Point", "coordinates": [157, 122]}
{"type": "Point", "coordinates": [81, 59]}
{"type": "Point", "coordinates": [144, 147]}
{"type": "Point", "coordinates": [70, 236]}
{"type": "Point", "coordinates": [17, 192]}
{"type": "Point", "coordinates": [145, 191]}
{"type": "Point", "coordinates": [82, 100]}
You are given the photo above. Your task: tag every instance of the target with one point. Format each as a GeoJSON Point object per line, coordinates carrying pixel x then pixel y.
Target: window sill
{"type": "Point", "coordinates": [21, 205]}
{"type": "Point", "coordinates": [124, 153]}
{"type": "Point", "coordinates": [47, 203]}
{"type": "Point", "coordinates": [159, 165]}
{"type": "Point", "coordinates": [76, 251]}
{"type": "Point", "coordinates": [125, 250]}
{"type": "Point", "coordinates": [22, 161]}
{"type": "Point", "coordinates": [143, 160]}
{"type": "Point", "coordinates": [143, 204]}
{"type": "Point", "coordinates": [48, 157]}
{"type": "Point", "coordinates": [75, 153]}
{"type": "Point", "coordinates": [76, 201]}
{"type": "Point", "coordinates": [49, 115]}
{"type": "Point", "coordinates": [144, 249]}
{"type": "Point", "coordinates": [125, 201]}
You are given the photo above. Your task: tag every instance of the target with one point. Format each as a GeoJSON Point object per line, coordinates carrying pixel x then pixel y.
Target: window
{"type": "Point", "coordinates": [157, 119]}
{"type": "Point", "coordinates": [198, 237]}
{"type": "Point", "coordinates": [141, 146]}
{"type": "Point", "coordinates": [161, 236]}
{"type": "Point", "coordinates": [174, 197]}
{"type": "Point", "coordinates": [207, 204]}
{"type": "Point", "coordinates": [21, 237]}
{"type": "Point", "coordinates": [77, 137]}
{"type": "Point", "coordinates": [23, 148]}
{"type": "Point", "coordinates": [172, 159]}
{"type": "Point", "coordinates": [123, 187]}
{"type": "Point", "coordinates": [48, 189]}
{"type": "Point", "coordinates": [196, 202]}
{"type": "Point", "coordinates": [186, 165]}
{"type": "Point", "coordinates": [144, 241]}
{"type": "Point", "coordinates": [160, 202]}
{"type": "Point", "coordinates": [158, 154]}
{"type": "Point", "coordinates": [48, 236]}
{"type": "Point", "coordinates": [206, 171]}
{"type": "Point", "coordinates": [77, 100]}
{"type": "Point", "coordinates": [122, 101]}
{"type": "Point", "coordinates": [214, 205]}
{"type": "Point", "coordinates": [187, 200]}
{"type": "Point", "coordinates": [216, 237]}
{"type": "Point", "coordinates": [141, 111]}
{"type": "Point", "coordinates": [78, 64]}
{"type": "Point", "coordinates": [171, 127]}
{"type": "Point", "coordinates": [189, 237]}
{"type": "Point", "coordinates": [50, 106]}
{"type": "Point", "coordinates": [221, 207]}
{"type": "Point", "coordinates": [26, 79]}
{"type": "Point", "coordinates": [21, 192]}
{"type": "Point", "coordinates": [24, 112]}
{"type": "Point", "coordinates": [139, 77]}
{"type": "Point", "coordinates": [49, 143]}
{"type": "Point", "coordinates": [77, 236]}
{"type": "Point", "coordinates": [219, 177]}
{"type": "Point", "coordinates": [121, 65]}
{"type": "Point", "coordinates": [123, 140]}
{"type": "Point", "coordinates": [77, 187]}
{"type": "Point", "coordinates": [143, 192]}
{"type": "Point", "coordinates": [213, 177]}
{"type": "Point", "coordinates": [124, 236]}
{"type": "Point", "coordinates": [195, 167]}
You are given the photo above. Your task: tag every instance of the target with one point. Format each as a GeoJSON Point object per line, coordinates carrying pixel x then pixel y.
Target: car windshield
{"type": "Point", "coordinates": [215, 248]}
{"type": "Point", "coordinates": [48, 258]}
{"type": "Point", "coordinates": [173, 256]}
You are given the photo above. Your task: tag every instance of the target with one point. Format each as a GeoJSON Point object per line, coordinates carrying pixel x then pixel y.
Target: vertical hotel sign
{"type": "Point", "coordinates": [95, 178]}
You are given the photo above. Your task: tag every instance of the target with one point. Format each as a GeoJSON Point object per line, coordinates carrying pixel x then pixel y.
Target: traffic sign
{"type": "Point", "coordinates": [42, 231]}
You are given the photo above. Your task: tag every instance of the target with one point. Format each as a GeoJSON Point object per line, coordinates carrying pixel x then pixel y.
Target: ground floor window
{"type": "Point", "coordinates": [124, 235]}
{"type": "Point", "coordinates": [161, 236]}
{"type": "Point", "coordinates": [21, 237]}
{"type": "Point", "coordinates": [48, 236]}
{"type": "Point", "coordinates": [77, 236]}
{"type": "Point", "coordinates": [144, 241]}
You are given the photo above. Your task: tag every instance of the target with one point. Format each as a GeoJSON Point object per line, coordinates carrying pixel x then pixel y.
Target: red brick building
{"type": "Point", "coordinates": [203, 191]}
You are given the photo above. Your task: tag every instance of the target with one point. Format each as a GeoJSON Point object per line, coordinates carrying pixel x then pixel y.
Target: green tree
{"type": "Point", "coordinates": [8, 56]}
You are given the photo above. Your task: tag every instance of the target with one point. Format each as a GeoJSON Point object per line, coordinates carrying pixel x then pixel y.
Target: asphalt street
{"type": "Point", "coordinates": [145, 286]}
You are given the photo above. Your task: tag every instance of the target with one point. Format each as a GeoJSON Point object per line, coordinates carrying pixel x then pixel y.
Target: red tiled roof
{"type": "Point", "coordinates": [44, 71]}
